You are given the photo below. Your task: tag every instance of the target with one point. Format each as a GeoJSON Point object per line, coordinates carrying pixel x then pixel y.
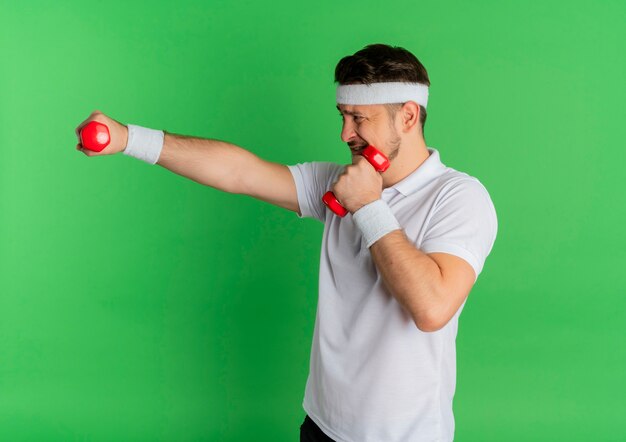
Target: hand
{"type": "Point", "coordinates": [117, 131]}
{"type": "Point", "coordinates": [358, 185]}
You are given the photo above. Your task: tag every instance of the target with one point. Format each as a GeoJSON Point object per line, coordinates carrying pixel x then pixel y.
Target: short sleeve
{"type": "Point", "coordinates": [464, 223]}
{"type": "Point", "coordinates": [313, 180]}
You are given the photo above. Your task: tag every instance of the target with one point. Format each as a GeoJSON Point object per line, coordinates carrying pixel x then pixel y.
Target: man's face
{"type": "Point", "coordinates": [368, 124]}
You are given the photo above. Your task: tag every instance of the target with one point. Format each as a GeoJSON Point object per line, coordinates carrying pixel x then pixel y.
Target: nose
{"type": "Point", "coordinates": [347, 132]}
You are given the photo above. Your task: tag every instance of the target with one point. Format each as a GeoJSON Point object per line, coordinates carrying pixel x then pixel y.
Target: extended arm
{"type": "Point", "coordinates": [214, 163]}
{"type": "Point", "coordinates": [229, 168]}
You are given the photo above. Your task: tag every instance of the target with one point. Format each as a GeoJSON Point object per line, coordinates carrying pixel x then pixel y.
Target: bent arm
{"type": "Point", "coordinates": [431, 287]}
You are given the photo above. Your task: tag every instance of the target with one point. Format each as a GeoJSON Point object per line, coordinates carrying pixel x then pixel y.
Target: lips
{"type": "Point", "coordinates": [357, 149]}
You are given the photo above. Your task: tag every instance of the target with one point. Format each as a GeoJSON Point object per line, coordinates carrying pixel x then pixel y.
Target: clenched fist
{"type": "Point", "coordinates": [117, 131]}
{"type": "Point", "coordinates": [358, 185]}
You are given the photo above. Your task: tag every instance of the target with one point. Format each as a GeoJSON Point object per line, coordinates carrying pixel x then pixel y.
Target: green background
{"type": "Point", "coordinates": [138, 305]}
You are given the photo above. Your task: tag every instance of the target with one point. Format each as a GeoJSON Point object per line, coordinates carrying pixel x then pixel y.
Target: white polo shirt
{"type": "Point", "coordinates": [374, 376]}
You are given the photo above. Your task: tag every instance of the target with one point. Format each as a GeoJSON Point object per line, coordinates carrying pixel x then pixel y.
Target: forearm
{"type": "Point", "coordinates": [411, 276]}
{"type": "Point", "coordinates": [210, 162]}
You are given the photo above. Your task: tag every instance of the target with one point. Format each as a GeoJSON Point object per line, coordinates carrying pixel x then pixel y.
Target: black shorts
{"type": "Point", "coordinates": [310, 432]}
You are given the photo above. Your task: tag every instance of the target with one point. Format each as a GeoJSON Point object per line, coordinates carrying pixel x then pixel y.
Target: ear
{"type": "Point", "coordinates": [410, 115]}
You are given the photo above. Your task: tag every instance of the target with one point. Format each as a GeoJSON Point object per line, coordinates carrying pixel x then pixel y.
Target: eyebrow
{"type": "Point", "coordinates": [348, 112]}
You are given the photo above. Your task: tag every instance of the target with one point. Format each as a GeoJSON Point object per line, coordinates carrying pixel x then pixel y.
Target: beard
{"type": "Point", "coordinates": [394, 145]}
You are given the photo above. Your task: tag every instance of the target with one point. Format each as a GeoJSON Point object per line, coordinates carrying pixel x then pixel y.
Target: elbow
{"type": "Point", "coordinates": [428, 327]}
{"type": "Point", "coordinates": [428, 324]}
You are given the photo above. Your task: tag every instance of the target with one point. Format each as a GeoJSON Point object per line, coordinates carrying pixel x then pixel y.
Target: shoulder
{"type": "Point", "coordinates": [317, 170]}
{"type": "Point", "coordinates": [465, 198]}
{"type": "Point", "coordinates": [454, 183]}
{"type": "Point", "coordinates": [318, 167]}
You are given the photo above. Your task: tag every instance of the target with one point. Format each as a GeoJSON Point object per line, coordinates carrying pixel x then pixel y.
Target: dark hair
{"type": "Point", "coordinates": [381, 63]}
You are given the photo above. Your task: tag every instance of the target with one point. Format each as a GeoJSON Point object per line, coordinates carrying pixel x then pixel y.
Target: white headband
{"type": "Point", "coordinates": [382, 93]}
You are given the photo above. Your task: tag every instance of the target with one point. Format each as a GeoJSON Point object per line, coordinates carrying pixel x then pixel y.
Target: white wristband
{"type": "Point", "coordinates": [375, 220]}
{"type": "Point", "coordinates": [144, 144]}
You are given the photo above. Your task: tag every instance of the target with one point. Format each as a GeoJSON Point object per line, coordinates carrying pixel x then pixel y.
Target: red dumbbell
{"type": "Point", "coordinates": [95, 136]}
{"type": "Point", "coordinates": [377, 159]}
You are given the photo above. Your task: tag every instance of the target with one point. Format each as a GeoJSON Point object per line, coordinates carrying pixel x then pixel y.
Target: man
{"type": "Point", "coordinates": [394, 273]}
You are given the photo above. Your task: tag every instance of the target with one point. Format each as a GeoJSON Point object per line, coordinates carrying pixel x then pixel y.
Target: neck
{"type": "Point", "coordinates": [409, 158]}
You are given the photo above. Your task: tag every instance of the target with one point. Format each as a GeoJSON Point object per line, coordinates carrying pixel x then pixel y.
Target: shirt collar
{"type": "Point", "coordinates": [429, 169]}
